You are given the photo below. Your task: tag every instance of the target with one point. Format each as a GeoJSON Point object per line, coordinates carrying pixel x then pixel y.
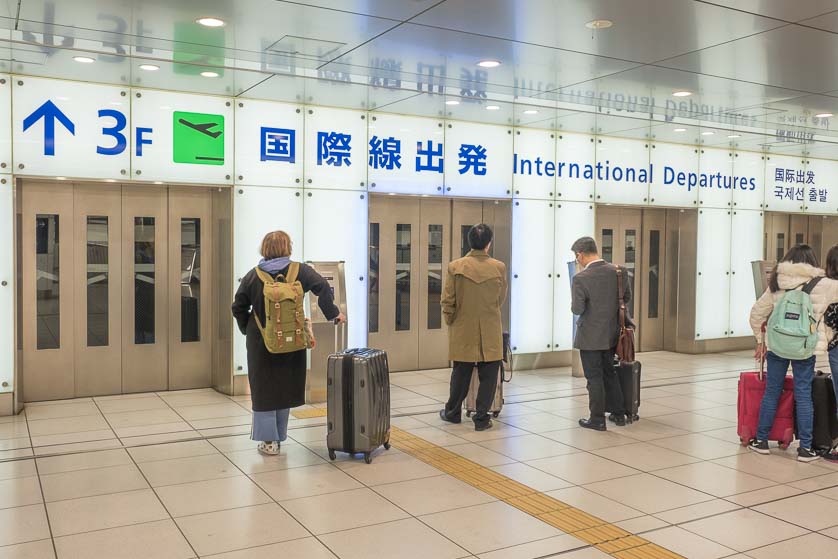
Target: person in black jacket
{"type": "Point", "coordinates": [277, 380]}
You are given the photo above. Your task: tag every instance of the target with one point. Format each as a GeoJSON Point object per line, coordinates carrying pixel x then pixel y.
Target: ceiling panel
{"type": "Point", "coordinates": [827, 22]}
{"type": "Point", "coordinates": [643, 31]}
{"type": "Point", "coordinates": [787, 11]}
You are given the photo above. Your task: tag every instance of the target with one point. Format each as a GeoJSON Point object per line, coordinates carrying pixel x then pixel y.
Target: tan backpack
{"type": "Point", "coordinates": [286, 329]}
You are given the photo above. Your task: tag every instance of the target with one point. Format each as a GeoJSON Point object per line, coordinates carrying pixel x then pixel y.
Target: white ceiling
{"type": "Point", "coordinates": [758, 69]}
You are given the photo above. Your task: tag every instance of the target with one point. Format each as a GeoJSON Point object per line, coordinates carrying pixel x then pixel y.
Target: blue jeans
{"type": "Point", "coordinates": [803, 371]}
{"type": "Point", "coordinates": [833, 367]}
{"type": "Point", "coordinates": [269, 426]}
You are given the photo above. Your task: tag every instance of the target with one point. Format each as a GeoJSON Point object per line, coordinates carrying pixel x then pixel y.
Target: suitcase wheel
{"type": "Point", "coordinates": [468, 413]}
{"type": "Point", "coordinates": [367, 458]}
{"type": "Point", "coordinates": [495, 414]}
{"type": "Point", "coordinates": [387, 446]}
{"type": "Point", "coordinates": [332, 454]}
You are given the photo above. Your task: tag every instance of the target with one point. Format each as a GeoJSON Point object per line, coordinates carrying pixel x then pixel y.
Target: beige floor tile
{"type": "Point", "coordinates": [309, 434]}
{"type": "Point", "coordinates": [810, 511]}
{"type": "Point", "coordinates": [212, 411]}
{"type": "Point", "coordinates": [810, 545]}
{"type": "Point", "coordinates": [700, 446]}
{"type": "Point", "coordinates": [170, 451]}
{"type": "Point", "coordinates": [714, 479]}
{"type": "Point", "coordinates": [160, 540]}
{"type": "Point", "coordinates": [160, 438]}
{"type": "Point", "coordinates": [64, 425]}
{"type": "Point", "coordinates": [582, 468]}
{"type": "Point", "coordinates": [308, 481]}
{"type": "Point", "coordinates": [403, 539]}
{"type": "Point", "coordinates": [727, 413]}
{"type": "Point", "coordinates": [149, 402]}
{"type": "Point", "coordinates": [234, 443]}
{"type": "Point", "coordinates": [58, 411]}
{"type": "Point", "coordinates": [230, 530]}
{"type": "Point", "coordinates": [23, 524]}
{"type": "Point", "coordinates": [685, 403]}
{"type": "Point", "coordinates": [438, 437]}
{"type": "Point", "coordinates": [140, 418]}
{"type": "Point", "coordinates": [649, 430]}
{"type": "Point", "coordinates": [105, 511]}
{"type": "Point", "coordinates": [697, 511]}
{"type": "Point", "coordinates": [20, 492]}
{"type": "Point", "coordinates": [387, 468]}
{"type": "Point", "coordinates": [641, 524]}
{"type": "Point", "coordinates": [648, 493]}
{"type": "Point", "coordinates": [226, 431]}
{"type": "Point", "coordinates": [17, 468]}
{"type": "Point", "coordinates": [690, 545]}
{"type": "Point", "coordinates": [499, 430]}
{"type": "Point", "coordinates": [15, 444]}
{"type": "Point", "coordinates": [585, 439]}
{"type": "Point", "coordinates": [595, 504]}
{"type": "Point", "coordinates": [644, 456]}
{"type": "Point", "coordinates": [82, 461]}
{"type": "Point", "coordinates": [221, 423]}
{"type": "Point", "coordinates": [540, 422]}
{"type": "Point", "coordinates": [187, 470]}
{"type": "Point", "coordinates": [291, 456]}
{"type": "Point", "coordinates": [16, 454]}
{"type": "Point", "coordinates": [434, 494]}
{"type": "Point", "coordinates": [831, 532]}
{"type": "Point", "coordinates": [480, 455]}
{"type": "Point", "coordinates": [153, 429]}
{"type": "Point", "coordinates": [693, 422]}
{"type": "Point", "coordinates": [460, 527]}
{"type": "Point", "coordinates": [305, 548]}
{"type": "Point", "coordinates": [180, 399]}
{"type": "Point", "coordinates": [775, 468]}
{"type": "Point", "coordinates": [210, 496]}
{"type": "Point", "coordinates": [109, 442]}
{"type": "Point", "coordinates": [87, 483]}
{"type": "Point", "coordinates": [328, 513]}
{"type": "Point", "coordinates": [744, 529]}
{"type": "Point", "coordinates": [71, 438]}
{"type": "Point", "coordinates": [531, 477]}
{"type": "Point", "coordinates": [528, 447]}
{"type": "Point", "coordinates": [32, 550]}
{"type": "Point", "coordinates": [764, 495]}
{"type": "Point", "coordinates": [817, 483]}
{"type": "Point", "coordinates": [537, 549]}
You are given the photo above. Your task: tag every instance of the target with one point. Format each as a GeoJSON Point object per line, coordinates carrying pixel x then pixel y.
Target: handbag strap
{"type": "Point", "coordinates": [621, 304]}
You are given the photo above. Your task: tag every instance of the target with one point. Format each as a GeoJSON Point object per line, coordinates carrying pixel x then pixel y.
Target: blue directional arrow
{"type": "Point", "coordinates": [49, 112]}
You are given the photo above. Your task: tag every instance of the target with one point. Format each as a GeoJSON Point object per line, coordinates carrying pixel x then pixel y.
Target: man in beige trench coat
{"type": "Point", "coordinates": [475, 290]}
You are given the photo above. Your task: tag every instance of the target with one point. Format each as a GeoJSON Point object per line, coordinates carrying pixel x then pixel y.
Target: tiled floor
{"type": "Point", "coordinates": [173, 475]}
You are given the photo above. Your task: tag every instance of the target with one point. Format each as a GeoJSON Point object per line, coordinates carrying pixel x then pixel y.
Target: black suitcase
{"type": "Point", "coordinates": [825, 427]}
{"type": "Point", "coordinates": [358, 402]}
{"type": "Point", "coordinates": [629, 376]}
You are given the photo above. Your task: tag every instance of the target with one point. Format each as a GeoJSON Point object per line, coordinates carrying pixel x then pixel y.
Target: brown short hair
{"type": "Point", "coordinates": [275, 245]}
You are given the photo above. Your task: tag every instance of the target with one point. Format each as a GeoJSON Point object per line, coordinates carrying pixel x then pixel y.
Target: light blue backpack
{"type": "Point", "coordinates": [792, 331]}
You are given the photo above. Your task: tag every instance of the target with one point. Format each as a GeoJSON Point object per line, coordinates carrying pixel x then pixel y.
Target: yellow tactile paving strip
{"type": "Point", "coordinates": [606, 537]}
{"type": "Point", "coordinates": [309, 413]}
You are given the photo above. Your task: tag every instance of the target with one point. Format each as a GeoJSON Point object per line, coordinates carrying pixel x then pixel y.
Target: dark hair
{"type": "Point", "coordinates": [584, 245]}
{"type": "Point", "coordinates": [480, 236]}
{"type": "Point", "coordinates": [832, 263]}
{"type": "Point", "coordinates": [798, 254]}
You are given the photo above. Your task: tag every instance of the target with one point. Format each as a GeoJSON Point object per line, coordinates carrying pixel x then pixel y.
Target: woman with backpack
{"type": "Point", "coordinates": [793, 305]}
{"type": "Point", "coordinates": [268, 309]}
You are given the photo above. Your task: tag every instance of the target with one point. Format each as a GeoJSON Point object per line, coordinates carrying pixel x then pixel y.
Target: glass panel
{"type": "Point", "coordinates": [654, 272]}
{"type": "Point", "coordinates": [143, 280]}
{"type": "Point", "coordinates": [464, 246]}
{"type": "Point", "coordinates": [434, 277]}
{"type": "Point", "coordinates": [190, 279]}
{"type": "Point", "coordinates": [781, 246]}
{"type": "Point", "coordinates": [608, 245]}
{"type": "Point", "coordinates": [373, 283]}
{"type": "Point", "coordinates": [47, 284]}
{"type": "Point", "coordinates": [402, 276]}
{"type": "Point", "coordinates": [631, 259]}
{"type": "Point", "coordinates": [97, 280]}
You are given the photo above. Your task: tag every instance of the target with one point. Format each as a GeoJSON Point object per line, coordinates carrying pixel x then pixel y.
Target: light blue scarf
{"type": "Point", "coordinates": [275, 264]}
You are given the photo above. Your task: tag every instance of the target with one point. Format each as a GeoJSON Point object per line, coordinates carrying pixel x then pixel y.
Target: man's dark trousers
{"type": "Point", "coordinates": [487, 372]}
{"type": "Point", "coordinates": [603, 385]}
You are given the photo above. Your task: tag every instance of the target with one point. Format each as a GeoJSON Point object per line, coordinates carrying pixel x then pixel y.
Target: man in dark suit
{"type": "Point", "coordinates": [595, 302]}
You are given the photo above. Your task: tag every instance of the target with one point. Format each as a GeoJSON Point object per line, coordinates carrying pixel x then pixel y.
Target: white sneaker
{"type": "Point", "coordinates": [269, 448]}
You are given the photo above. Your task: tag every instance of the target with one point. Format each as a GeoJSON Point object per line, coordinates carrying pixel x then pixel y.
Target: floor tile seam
{"type": "Point", "coordinates": [71, 432]}
{"type": "Point", "coordinates": [534, 492]}
{"type": "Point", "coordinates": [45, 510]}
{"type": "Point", "coordinates": [745, 552]}
{"type": "Point", "coordinates": [121, 526]}
{"type": "Point", "coordinates": [180, 457]}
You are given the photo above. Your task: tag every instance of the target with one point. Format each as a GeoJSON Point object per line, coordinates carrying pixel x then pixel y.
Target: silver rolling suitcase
{"type": "Point", "coordinates": [497, 402]}
{"type": "Point", "coordinates": [358, 402]}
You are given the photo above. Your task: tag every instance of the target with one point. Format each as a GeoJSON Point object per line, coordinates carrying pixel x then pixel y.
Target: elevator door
{"type": "Point", "coordinates": [412, 240]}
{"type": "Point", "coordinates": [115, 283]}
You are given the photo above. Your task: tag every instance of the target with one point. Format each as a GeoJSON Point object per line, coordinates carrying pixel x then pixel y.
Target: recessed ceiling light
{"type": "Point", "coordinates": [61, 178]}
{"type": "Point", "coordinates": [823, 115]}
{"type": "Point", "coordinates": [682, 93]}
{"type": "Point", "coordinates": [452, 102]}
{"type": "Point", "coordinates": [680, 130]}
{"type": "Point", "coordinates": [492, 108]}
{"type": "Point", "coordinates": [210, 74]}
{"type": "Point", "coordinates": [84, 59]}
{"type": "Point", "coordinates": [599, 24]}
{"type": "Point", "coordinates": [707, 133]}
{"type": "Point", "coordinates": [489, 63]}
{"type": "Point", "coordinates": [531, 112]}
{"type": "Point", "coordinates": [158, 182]}
{"type": "Point", "coordinates": [734, 136]}
{"type": "Point", "coordinates": [210, 21]}
{"type": "Point", "coordinates": [149, 67]}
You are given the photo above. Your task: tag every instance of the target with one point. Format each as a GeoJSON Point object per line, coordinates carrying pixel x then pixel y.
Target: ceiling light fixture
{"type": "Point", "coordinates": [707, 133]}
{"type": "Point", "coordinates": [149, 67]}
{"type": "Point", "coordinates": [452, 102]}
{"type": "Point", "coordinates": [734, 136]}
{"type": "Point", "coordinates": [531, 112]}
{"type": "Point", "coordinates": [682, 93]}
{"type": "Point", "coordinates": [823, 115]}
{"type": "Point", "coordinates": [84, 59]}
{"type": "Point", "coordinates": [599, 24]}
{"type": "Point", "coordinates": [489, 63]}
{"type": "Point", "coordinates": [492, 108]}
{"type": "Point", "coordinates": [210, 74]}
{"type": "Point", "coordinates": [210, 21]}
{"type": "Point", "coordinates": [680, 130]}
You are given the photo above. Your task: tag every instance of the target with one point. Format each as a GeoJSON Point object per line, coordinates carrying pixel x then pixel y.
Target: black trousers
{"type": "Point", "coordinates": [604, 392]}
{"type": "Point", "coordinates": [487, 372]}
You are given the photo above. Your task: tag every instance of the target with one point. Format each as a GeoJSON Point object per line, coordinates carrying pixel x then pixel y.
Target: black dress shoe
{"type": "Point", "coordinates": [444, 416]}
{"type": "Point", "coordinates": [483, 425]}
{"type": "Point", "coordinates": [619, 419]}
{"type": "Point", "coordinates": [595, 425]}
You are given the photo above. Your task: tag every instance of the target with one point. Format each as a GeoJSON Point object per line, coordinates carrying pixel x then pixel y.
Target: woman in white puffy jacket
{"type": "Point", "coordinates": [797, 268]}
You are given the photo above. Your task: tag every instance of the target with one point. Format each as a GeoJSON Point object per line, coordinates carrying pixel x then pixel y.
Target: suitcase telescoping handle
{"type": "Point", "coordinates": [340, 338]}
{"type": "Point", "coordinates": [761, 373]}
